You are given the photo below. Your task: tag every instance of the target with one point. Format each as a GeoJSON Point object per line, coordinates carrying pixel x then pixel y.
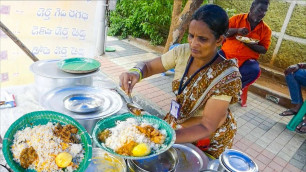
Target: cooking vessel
{"type": "Point", "coordinates": [104, 161]}
{"type": "Point", "coordinates": [166, 161]}
{"type": "Point", "coordinates": [48, 77]}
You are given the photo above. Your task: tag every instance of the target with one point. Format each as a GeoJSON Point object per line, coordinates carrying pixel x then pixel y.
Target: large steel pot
{"type": "Point", "coordinates": [48, 77]}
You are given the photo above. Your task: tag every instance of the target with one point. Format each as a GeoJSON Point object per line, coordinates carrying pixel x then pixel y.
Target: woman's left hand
{"type": "Point", "coordinates": [291, 69]}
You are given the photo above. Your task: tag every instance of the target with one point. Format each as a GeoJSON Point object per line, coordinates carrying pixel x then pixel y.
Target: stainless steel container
{"type": "Point", "coordinates": [166, 161]}
{"type": "Point", "coordinates": [54, 100]}
{"type": "Point", "coordinates": [48, 77]}
{"type": "Point", "coordinates": [103, 161]}
{"type": "Point", "coordinates": [233, 160]}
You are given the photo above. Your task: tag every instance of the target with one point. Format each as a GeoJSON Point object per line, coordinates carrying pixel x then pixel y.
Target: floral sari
{"type": "Point", "coordinates": [218, 79]}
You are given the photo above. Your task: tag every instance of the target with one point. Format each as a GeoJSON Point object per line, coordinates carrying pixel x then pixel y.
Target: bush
{"type": "Point", "coordinates": [148, 19]}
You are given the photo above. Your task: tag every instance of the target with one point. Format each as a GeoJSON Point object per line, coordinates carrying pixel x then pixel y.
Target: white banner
{"type": "Point", "coordinates": [49, 29]}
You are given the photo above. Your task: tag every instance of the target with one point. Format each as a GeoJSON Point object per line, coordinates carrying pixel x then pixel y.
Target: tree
{"type": "Point", "coordinates": [180, 20]}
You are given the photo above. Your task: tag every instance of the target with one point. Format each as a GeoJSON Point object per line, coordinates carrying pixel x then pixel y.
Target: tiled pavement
{"type": "Point", "coordinates": [262, 133]}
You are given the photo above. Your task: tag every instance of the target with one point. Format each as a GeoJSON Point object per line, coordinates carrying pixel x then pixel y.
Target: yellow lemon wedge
{"type": "Point", "coordinates": [63, 159]}
{"type": "Point", "coordinates": [141, 149]}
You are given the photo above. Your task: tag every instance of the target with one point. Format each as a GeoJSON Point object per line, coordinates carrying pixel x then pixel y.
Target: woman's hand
{"type": "Point", "coordinates": [291, 69]}
{"type": "Point", "coordinates": [128, 81]}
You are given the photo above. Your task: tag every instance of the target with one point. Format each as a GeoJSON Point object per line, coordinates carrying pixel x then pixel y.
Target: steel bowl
{"type": "Point", "coordinates": [104, 161]}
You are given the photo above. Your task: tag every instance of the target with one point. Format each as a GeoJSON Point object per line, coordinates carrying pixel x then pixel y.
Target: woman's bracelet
{"type": "Point", "coordinates": [139, 71]}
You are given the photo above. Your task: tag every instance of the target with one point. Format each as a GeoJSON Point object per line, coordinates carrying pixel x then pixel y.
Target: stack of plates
{"type": "Point", "coordinates": [106, 103]}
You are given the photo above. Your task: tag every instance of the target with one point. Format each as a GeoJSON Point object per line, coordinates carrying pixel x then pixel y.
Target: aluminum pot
{"type": "Point", "coordinates": [48, 77]}
{"type": "Point", "coordinates": [166, 161]}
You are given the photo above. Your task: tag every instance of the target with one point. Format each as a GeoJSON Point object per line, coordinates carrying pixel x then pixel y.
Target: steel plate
{"type": "Point", "coordinates": [191, 158]}
{"type": "Point", "coordinates": [83, 103]}
{"type": "Point", "coordinates": [54, 99]}
{"type": "Point", "coordinates": [78, 65]}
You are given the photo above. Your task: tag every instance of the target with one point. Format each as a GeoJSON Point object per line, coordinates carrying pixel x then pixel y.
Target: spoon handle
{"type": "Point", "coordinates": [131, 98]}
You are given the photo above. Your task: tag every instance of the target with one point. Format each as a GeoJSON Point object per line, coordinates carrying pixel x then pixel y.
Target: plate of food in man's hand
{"type": "Point", "coordinates": [247, 39]}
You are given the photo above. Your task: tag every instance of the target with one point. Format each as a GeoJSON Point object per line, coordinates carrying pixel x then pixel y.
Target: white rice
{"type": "Point", "coordinates": [126, 131]}
{"type": "Point", "coordinates": [46, 145]}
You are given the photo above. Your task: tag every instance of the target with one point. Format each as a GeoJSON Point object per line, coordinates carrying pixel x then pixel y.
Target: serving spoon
{"type": "Point", "coordinates": [131, 106]}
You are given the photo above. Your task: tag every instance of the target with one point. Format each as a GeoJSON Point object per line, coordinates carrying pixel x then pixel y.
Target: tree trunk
{"type": "Point", "coordinates": [180, 20]}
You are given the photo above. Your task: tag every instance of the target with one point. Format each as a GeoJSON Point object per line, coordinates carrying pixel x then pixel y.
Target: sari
{"type": "Point", "coordinates": [216, 80]}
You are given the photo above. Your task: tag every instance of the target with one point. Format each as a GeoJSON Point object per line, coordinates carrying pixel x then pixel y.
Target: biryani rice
{"type": "Point", "coordinates": [47, 146]}
{"type": "Point", "coordinates": [126, 131]}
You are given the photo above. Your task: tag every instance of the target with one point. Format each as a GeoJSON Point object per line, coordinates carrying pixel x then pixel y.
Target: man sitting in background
{"type": "Point", "coordinates": [249, 25]}
{"type": "Point", "coordinates": [295, 78]}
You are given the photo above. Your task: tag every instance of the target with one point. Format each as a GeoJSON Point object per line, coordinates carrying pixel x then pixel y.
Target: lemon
{"type": "Point", "coordinates": [63, 159]}
{"type": "Point", "coordinates": [141, 149]}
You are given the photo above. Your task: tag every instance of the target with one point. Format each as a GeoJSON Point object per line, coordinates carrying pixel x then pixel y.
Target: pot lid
{"type": "Point", "coordinates": [237, 161]}
{"type": "Point", "coordinates": [49, 69]}
{"type": "Point", "coordinates": [191, 158]}
{"type": "Point", "coordinates": [54, 100]}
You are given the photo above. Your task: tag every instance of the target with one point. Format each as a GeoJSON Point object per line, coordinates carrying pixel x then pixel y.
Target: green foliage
{"type": "Point", "coordinates": [230, 12]}
{"type": "Point", "coordinates": [290, 53]}
{"type": "Point", "coordinates": [297, 23]}
{"type": "Point", "coordinates": [149, 19]}
{"type": "Point", "coordinates": [266, 58]}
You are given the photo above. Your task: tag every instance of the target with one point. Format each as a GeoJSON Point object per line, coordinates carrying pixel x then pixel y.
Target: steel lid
{"type": "Point", "coordinates": [49, 69]}
{"type": "Point", "coordinates": [237, 161]}
{"type": "Point", "coordinates": [54, 100]}
{"type": "Point", "coordinates": [191, 158]}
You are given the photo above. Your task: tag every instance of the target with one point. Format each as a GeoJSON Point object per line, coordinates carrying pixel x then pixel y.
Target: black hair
{"type": "Point", "coordinates": [256, 2]}
{"type": "Point", "coordinates": [215, 17]}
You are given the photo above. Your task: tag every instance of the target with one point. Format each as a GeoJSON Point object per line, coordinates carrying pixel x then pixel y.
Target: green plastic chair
{"type": "Point", "coordinates": [294, 122]}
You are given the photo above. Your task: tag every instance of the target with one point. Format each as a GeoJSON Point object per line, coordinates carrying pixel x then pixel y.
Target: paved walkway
{"type": "Point", "coordinates": [262, 133]}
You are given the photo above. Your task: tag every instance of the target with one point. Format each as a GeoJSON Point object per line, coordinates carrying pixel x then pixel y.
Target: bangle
{"type": "Point", "coordinates": [138, 71]}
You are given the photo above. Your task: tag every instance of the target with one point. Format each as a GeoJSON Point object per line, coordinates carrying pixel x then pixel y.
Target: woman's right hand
{"type": "Point", "coordinates": [128, 81]}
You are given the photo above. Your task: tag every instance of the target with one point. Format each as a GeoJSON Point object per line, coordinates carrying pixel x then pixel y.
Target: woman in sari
{"type": "Point", "coordinates": [205, 83]}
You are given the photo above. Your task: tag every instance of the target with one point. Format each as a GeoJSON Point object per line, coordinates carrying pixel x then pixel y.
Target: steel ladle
{"type": "Point", "coordinates": [131, 106]}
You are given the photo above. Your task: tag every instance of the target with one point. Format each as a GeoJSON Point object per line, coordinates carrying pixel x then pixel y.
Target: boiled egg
{"type": "Point", "coordinates": [141, 149]}
{"type": "Point", "coordinates": [63, 159]}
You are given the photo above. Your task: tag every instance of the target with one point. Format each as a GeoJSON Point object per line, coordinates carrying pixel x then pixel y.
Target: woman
{"type": "Point", "coordinates": [205, 83]}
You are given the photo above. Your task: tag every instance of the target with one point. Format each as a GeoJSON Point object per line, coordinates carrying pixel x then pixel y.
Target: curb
{"type": "Point", "coordinates": [273, 96]}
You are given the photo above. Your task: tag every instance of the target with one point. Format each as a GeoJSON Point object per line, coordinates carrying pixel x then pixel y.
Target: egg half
{"type": "Point", "coordinates": [141, 149]}
{"type": "Point", "coordinates": [63, 159]}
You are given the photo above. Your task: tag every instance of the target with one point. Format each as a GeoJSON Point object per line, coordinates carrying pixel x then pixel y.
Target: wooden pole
{"type": "Point", "coordinates": [18, 42]}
